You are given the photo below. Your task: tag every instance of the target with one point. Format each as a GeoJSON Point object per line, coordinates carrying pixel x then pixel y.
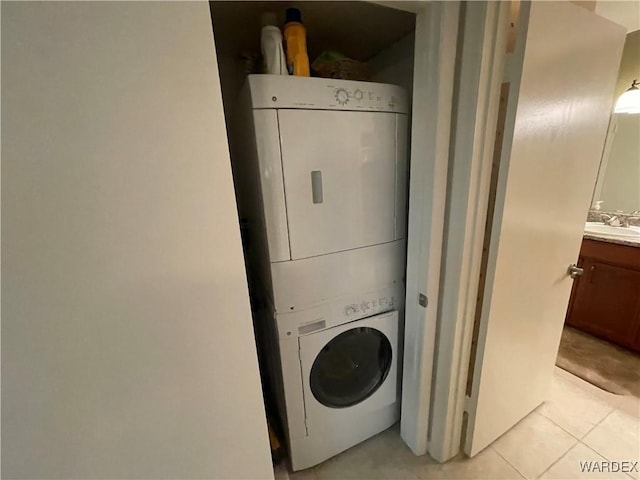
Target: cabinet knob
{"type": "Point", "coordinates": [574, 271]}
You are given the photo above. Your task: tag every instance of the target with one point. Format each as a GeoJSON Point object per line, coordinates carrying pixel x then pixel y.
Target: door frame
{"type": "Point", "coordinates": [453, 160]}
{"type": "Point", "coordinates": [436, 36]}
{"type": "Point", "coordinates": [445, 241]}
{"type": "Point", "coordinates": [483, 62]}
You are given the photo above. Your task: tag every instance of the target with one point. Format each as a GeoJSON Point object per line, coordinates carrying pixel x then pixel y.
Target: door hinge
{"type": "Point", "coordinates": [423, 300]}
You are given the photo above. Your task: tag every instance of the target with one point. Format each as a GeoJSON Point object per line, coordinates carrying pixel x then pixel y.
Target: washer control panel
{"type": "Point", "coordinates": [364, 305]}
{"type": "Point", "coordinates": [369, 306]}
{"type": "Point", "coordinates": [291, 324]}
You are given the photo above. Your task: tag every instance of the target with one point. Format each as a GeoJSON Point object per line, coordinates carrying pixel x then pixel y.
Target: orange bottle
{"type": "Point", "coordinates": [295, 36]}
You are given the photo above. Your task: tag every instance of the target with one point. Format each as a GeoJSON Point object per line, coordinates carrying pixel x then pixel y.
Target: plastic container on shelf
{"type": "Point", "coordinates": [296, 39]}
{"type": "Point", "coordinates": [273, 58]}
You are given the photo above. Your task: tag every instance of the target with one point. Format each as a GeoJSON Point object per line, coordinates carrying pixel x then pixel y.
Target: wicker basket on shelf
{"type": "Point", "coordinates": [345, 69]}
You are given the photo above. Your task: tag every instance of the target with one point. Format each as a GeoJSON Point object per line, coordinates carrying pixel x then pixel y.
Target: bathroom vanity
{"type": "Point", "coordinates": [605, 300]}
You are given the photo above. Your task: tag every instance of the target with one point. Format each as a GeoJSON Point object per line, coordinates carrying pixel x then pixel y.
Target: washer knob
{"type": "Point", "coordinates": [357, 94]}
{"type": "Point", "coordinates": [342, 96]}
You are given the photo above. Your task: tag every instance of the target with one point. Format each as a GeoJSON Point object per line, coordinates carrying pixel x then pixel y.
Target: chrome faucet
{"type": "Point", "coordinates": [620, 219]}
{"type": "Point", "coordinates": [611, 220]}
{"type": "Point", "coordinates": [632, 218]}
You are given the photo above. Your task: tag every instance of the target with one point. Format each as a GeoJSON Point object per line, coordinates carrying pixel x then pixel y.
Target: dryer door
{"type": "Point", "coordinates": [343, 177]}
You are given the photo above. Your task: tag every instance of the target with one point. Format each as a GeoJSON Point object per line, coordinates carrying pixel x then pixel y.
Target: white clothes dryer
{"type": "Point", "coordinates": [321, 179]}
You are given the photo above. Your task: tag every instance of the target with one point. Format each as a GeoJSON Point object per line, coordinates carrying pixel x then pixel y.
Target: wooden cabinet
{"type": "Point", "coordinates": [605, 300]}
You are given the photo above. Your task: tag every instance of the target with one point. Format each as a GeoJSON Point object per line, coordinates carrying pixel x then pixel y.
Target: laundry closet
{"type": "Point", "coordinates": [130, 351]}
{"type": "Point", "coordinates": [320, 169]}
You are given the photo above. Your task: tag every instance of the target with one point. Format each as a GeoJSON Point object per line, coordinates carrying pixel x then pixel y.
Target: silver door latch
{"type": "Point", "coordinates": [423, 300]}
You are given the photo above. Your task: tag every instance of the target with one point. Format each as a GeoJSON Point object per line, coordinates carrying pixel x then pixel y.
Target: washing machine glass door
{"type": "Point", "coordinates": [351, 367]}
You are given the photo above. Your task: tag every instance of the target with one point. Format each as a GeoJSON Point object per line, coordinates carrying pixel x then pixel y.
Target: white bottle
{"type": "Point", "coordinates": [273, 59]}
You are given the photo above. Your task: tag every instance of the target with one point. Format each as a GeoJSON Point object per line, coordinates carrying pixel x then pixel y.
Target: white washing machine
{"type": "Point", "coordinates": [321, 175]}
{"type": "Point", "coordinates": [341, 383]}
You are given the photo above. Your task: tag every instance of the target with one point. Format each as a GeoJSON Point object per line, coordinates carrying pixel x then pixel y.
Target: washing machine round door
{"type": "Point", "coordinates": [351, 367]}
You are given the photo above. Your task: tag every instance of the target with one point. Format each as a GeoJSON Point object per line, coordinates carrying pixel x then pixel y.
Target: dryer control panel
{"type": "Point", "coordinates": [309, 93]}
{"type": "Point", "coordinates": [360, 97]}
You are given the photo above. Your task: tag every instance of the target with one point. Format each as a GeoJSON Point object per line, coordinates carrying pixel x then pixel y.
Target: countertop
{"type": "Point", "coordinates": [629, 241]}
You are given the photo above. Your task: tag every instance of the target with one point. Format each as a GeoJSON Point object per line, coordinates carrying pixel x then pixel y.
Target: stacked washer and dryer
{"type": "Point", "coordinates": [321, 179]}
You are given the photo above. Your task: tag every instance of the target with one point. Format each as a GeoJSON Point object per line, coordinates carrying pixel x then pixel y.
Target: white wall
{"type": "Point", "coordinates": [394, 64]}
{"type": "Point", "coordinates": [622, 12]}
{"type": "Point", "coordinates": [630, 62]}
{"type": "Point", "coordinates": [127, 344]}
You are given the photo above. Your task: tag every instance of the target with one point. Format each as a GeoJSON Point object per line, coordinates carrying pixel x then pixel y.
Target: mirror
{"type": "Point", "coordinates": [618, 186]}
{"type": "Point", "coordinates": [617, 189]}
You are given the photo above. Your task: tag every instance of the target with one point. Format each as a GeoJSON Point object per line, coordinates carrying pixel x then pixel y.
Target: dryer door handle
{"type": "Point", "coordinates": [316, 186]}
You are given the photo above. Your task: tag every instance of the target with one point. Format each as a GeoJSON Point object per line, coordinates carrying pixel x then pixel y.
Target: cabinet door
{"type": "Point", "coordinates": [607, 302]}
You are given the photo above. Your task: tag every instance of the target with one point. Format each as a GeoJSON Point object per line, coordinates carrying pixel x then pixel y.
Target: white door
{"type": "Point", "coordinates": [336, 168]}
{"type": "Point", "coordinates": [549, 164]}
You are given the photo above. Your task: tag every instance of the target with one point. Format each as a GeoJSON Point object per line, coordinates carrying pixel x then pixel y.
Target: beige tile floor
{"type": "Point", "coordinates": [579, 422]}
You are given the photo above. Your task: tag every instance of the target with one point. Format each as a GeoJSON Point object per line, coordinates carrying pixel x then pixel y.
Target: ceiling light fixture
{"type": "Point", "coordinates": [629, 101]}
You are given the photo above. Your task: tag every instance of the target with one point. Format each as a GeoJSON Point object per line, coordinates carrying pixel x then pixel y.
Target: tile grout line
{"type": "Point", "coordinates": [572, 434]}
{"type": "Point", "coordinates": [593, 448]}
{"type": "Point", "coordinates": [578, 440]}
{"type": "Point", "coordinates": [561, 427]}
{"type": "Point", "coordinates": [594, 427]}
{"type": "Point", "coordinates": [512, 466]}
{"type": "Point", "coordinates": [585, 435]}
{"type": "Point", "coordinates": [561, 456]}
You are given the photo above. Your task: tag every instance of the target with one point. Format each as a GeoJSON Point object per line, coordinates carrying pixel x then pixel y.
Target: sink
{"type": "Point", "coordinates": [601, 229]}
